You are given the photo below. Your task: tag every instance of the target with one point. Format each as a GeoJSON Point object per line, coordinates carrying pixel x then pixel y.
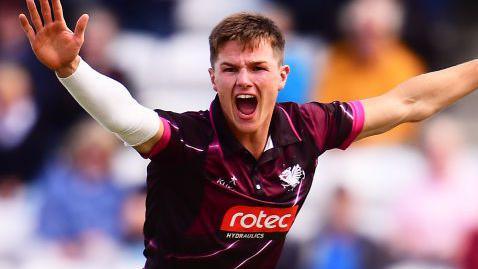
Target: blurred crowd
{"type": "Point", "coordinates": [72, 196]}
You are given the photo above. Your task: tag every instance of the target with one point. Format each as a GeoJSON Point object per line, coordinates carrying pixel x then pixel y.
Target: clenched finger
{"type": "Point", "coordinates": [27, 28]}
{"type": "Point", "coordinates": [46, 11]}
{"type": "Point", "coordinates": [36, 20]}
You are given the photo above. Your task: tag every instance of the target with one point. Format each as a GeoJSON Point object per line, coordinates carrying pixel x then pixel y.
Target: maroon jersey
{"type": "Point", "coordinates": [211, 204]}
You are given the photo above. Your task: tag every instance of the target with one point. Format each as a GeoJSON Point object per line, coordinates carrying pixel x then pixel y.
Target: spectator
{"type": "Point", "coordinates": [339, 246]}
{"type": "Point", "coordinates": [370, 60]}
{"type": "Point", "coordinates": [22, 135]}
{"type": "Point", "coordinates": [132, 219]}
{"type": "Point", "coordinates": [17, 221]}
{"type": "Point", "coordinates": [79, 187]}
{"type": "Point", "coordinates": [435, 215]}
{"type": "Point", "coordinates": [132, 215]}
{"type": "Point", "coordinates": [102, 32]}
{"type": "Point", "coordinates": [13, 45]}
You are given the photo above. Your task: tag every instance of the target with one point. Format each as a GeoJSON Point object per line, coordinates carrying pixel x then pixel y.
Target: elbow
{"type": "Point", "coordinates": [418, 111]}
{"type": "Point", "coordinates": [411, 106]}
{"type": "Point", "coordinates": [122, 125]}
{"type": "Point", "coordinates": [115, 121]}
{"type": "Point", "coordinates": [113, 124]}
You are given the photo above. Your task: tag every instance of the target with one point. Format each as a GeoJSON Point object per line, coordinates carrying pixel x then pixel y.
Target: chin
{"type": "Point", "coordinates": [247, 128]}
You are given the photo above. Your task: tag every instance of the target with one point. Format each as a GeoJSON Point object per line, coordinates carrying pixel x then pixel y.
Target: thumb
{"type": "Point", "coordinates": [81, 26]}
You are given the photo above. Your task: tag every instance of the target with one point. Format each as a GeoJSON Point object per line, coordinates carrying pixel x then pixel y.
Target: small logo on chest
{"type": "Point", "coordinates": [228, 183]}
{"type": "Point", "coordinates": [291, 177]}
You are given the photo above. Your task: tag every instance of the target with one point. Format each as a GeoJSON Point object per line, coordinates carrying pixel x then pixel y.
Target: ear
{"type": "Point", "coordinates": [212, 76]}
{"type": "Point", "coordinates": [284, 72]}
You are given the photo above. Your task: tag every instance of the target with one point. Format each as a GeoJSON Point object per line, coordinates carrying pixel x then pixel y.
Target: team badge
{"type": "Point", "coordinates": [291, 177]}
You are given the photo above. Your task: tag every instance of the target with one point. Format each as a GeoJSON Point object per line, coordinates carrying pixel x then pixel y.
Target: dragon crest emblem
{"type": "Point", "coordinates": [291, 177]}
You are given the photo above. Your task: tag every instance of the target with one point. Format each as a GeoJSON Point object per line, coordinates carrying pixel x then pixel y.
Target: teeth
{"type": "Point", "coordinates": [245, 96]}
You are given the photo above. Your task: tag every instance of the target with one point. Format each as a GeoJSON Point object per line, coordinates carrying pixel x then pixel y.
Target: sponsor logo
{"type": "Point", "coordinates": [244, 235]}
{"type": "Point", "coordinates": [230, 184]}
{"type": "Point", "coordinates": [246, 219]}
{"type": "Point", "coordinates": [291, 177]}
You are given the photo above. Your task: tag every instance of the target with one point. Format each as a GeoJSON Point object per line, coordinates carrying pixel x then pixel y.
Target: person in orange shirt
{"type": "Point", "coordinates": [369, 60]}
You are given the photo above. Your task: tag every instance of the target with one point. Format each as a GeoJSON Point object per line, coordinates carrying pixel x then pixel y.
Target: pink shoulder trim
{"type": "Point", "coordinates": [357, 125]}
{"type": "Point", "coordinates": [164, 141]}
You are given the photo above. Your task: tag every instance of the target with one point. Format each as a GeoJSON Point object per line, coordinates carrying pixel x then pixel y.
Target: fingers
{"type": "Point", "coordinates": [36, 20]}
{"type": "Point", "coordinates": [81, 26]}
{"type": "Point", "coordinates": [46, 11]}
{"type": "Point", "coordinates": [57, 10]}
{"type": "Point", "coordinates": [27, 28]}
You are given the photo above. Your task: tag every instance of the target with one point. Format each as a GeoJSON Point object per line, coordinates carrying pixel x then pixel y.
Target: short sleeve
{"type": "Point", "coordinates": [184, 135]}
{"type": "Point", "coordinates": [163, 142]}
{"type": "Point", "coordinates": [333, 125]}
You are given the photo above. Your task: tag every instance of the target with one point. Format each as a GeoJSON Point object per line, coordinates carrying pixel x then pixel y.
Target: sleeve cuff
{"type": "Point", "coordinates": [82, 67]}
{"type": "Point", "coordinates": [163, 142]}
{"type": "Point", "coordinates": [357, 125]}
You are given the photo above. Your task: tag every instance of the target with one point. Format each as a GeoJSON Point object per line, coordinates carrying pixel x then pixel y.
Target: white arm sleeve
{"type": "Point", "coordinates": [110, 103]}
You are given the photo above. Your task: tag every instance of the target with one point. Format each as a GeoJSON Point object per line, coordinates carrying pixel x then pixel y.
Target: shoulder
{"type": "Point", "coordinates": [186, 121]}
{"type": "Point", "coordinates": [185, 118]}
{"type": "Point", "coordinates": [188, 130]}
{"type": "Point", "coordinates": [330, 125]}
{"type": "Point", "coordinates": [298, 112]}
{"type": "Point", "coordinates": [291, 109]}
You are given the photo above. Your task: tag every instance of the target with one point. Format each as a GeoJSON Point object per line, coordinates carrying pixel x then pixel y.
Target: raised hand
{"type": "Point", "coordinates": [53, 43]}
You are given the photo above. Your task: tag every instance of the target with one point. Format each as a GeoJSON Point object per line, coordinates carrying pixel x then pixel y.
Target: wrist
{"type": "Point", "coordinates": [69, 69]}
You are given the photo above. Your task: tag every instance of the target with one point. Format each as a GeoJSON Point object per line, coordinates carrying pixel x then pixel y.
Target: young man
{"type": "Point", "coordinates": [225, 185]}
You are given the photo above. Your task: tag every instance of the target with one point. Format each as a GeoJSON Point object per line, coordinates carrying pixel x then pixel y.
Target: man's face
{"type": "Point", "coordinates": [247, 81]}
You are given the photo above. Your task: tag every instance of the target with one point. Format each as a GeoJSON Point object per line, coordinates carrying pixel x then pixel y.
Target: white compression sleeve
{"type": "Point", "coordinates": [110, 103]}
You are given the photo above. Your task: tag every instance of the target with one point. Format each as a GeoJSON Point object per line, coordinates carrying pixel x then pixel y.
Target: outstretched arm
{"type": "Point", "coordinates": [419, 98]}
{"type": "Point", "coordinates": [105, 99]}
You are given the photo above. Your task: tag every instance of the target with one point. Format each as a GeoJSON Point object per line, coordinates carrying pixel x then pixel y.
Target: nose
{"type": "Point", "coordinates": [243, 79]}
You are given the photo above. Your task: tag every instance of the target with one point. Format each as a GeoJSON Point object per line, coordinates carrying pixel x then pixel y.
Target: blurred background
{"type": "Point", "coordinates": [71, 196]}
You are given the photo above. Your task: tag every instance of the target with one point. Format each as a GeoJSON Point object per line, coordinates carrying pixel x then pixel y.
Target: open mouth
{"type": "Point", "coordinates": [246, 103]}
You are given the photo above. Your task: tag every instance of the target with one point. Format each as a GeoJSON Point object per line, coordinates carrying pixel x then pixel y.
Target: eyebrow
{"type": "Point", "coordinates": [249, 63]}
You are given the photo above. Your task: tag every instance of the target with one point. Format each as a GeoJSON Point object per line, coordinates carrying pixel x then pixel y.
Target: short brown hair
{"type": "Point", "coordinates": [248, 28]}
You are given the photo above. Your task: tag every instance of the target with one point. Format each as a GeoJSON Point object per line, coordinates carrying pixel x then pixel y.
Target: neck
{"type": "Point", "coordinates": [254, 142]}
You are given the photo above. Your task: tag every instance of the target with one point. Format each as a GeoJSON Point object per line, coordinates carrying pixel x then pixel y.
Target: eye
{"type": "Point", "coordinates": [229, 69]}
{"type": "Point", "coordinates": [259, 68]}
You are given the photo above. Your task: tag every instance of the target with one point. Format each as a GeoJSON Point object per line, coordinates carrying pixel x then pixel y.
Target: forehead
{"type": "Point", "coordinates": [237, 52]}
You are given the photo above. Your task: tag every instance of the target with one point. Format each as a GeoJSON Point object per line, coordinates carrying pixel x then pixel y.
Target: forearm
{"type": "Point", "coordinates": [429, 93]}
{"type": "Point", "coordinates": [110, 103]}
{"type": "Point", "coordinates": [418, 98]}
